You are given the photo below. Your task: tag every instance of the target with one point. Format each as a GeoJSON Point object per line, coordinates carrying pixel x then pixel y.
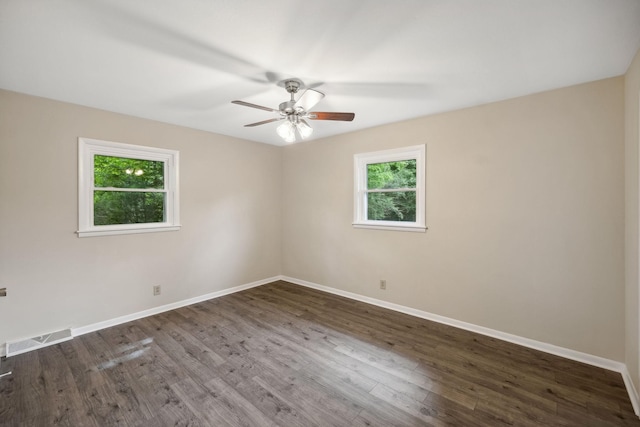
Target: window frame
{"type": "Point", "coordinates": [87, 149]}
{"type": "Point", "coordinates": [362, 160]}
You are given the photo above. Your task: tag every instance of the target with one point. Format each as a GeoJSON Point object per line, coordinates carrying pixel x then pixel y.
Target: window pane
{"type": "Point", "coordinates": [400, 174]}
{"type": "Point", "coordinates": [121, 172]}
{"type": "Point", "coordinates": [120, 207]}
{"type": "Point", "coordinates": [392, 206]}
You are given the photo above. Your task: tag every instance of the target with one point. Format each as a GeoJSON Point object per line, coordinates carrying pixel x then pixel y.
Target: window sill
{"type": "Point", "coordinates": [409, 228]}
{"type": "Point", "coordinates": [95, 233]}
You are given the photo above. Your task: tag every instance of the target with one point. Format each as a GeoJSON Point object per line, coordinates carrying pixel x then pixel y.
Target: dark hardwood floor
{"type": "Point", "coordinates": [285, 355]}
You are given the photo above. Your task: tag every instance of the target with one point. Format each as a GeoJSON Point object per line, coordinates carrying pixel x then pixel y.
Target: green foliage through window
{"type": "Point", "coordinates": [121, 172]}
{"type": "Point", "coordinates": [117, 198]}
{"type": "Point", "coordinates": [392, 205]}
{"type": "Point", "coordinates": [118, 207]}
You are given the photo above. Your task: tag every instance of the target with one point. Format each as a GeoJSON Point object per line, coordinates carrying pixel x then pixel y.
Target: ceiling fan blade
{"type": "Point", "coordinates": [345, 117]}
{"type": "Point", "coordinates": [264, 122]}
{"type": "Point", "coordinates": [308, 99]}
{"type": "Point", "coordinates": [248, 104]}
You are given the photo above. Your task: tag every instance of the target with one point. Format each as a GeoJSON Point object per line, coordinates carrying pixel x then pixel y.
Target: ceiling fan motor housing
{"type": "Point", "coordinates": [287, 107]}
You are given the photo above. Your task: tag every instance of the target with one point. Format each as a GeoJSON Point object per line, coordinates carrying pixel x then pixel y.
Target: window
{"type": "Point", "coordinates": [390, 189]}
{"type": "Point", "coordinates": [125, 189]}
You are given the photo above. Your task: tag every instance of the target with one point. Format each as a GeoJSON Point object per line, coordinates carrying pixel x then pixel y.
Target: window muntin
{"type": "Point", "coordinates": [126, 188]}
{"type": "Point", "coordinates": [389, 189]}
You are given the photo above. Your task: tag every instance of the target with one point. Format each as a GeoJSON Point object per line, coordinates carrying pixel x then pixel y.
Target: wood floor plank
{"type": "Point", "coordinates": [285, 355]}
{"type": "Point", "coordinates": [115, 356]}
{"type": "Point", "coordinates": [280, 410]}
{"type": "Point", "coordinates": [99, 398]}
{"type": "Point", "coordinates": [320, 403]}
{"type": "Point", "coordinates": [60, 395]}
{"type": "Point", "coordinates": [406, 404]}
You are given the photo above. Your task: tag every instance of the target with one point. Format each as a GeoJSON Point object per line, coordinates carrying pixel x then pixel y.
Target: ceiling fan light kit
{"type": "Point", "coordinates": [304, 129]}
{"type": "Point", "coordinates": [294, 112]}
{"type": "Point", "coordinates": [293, 123]}
{"type": "Point", "coordinates": [287, 131]}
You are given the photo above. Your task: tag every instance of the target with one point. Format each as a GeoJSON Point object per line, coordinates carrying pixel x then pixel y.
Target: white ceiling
{"type": "Point", "coordinates": [184, 61]}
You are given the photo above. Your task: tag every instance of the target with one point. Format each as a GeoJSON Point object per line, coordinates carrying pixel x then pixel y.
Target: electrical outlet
{"type": "Point", "coordinates": [156, 290]}
{"type": "Point", "coordinates": [383, 284]}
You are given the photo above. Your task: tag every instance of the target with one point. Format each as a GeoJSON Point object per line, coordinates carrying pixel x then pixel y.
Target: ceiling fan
{"type": "Point", "coordinates": [294, 112]}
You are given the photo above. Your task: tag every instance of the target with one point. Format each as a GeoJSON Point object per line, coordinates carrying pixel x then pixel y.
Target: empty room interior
{"type": "Point", "coordinates": [346, 213]}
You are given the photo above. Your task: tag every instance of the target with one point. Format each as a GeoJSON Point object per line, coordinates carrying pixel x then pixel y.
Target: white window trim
{"type": "Point", "coordinates": [87, 149]}
{"type": "Point", "coordinates": [361, 161]}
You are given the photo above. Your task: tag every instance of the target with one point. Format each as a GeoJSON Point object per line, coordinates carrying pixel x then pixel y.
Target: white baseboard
{"type": "Point", "coordinates": [631, 389]}
{"type": "Point", "coordinates": [81, 330]}
{"type": "Point", "coordinates": [167, 307]}
{"type": "Point", "coordinates": [567, 353]}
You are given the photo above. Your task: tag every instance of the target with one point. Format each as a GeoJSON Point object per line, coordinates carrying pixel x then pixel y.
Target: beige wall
{"type": "Point", "coordinates": [632, 101]}
{"type": "Point", "coordinates": [525, 209]}
{"type": "Point", "coordinates": [230, 214]}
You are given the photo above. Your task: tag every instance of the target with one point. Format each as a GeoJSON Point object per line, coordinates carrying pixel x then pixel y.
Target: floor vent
{"type": "Point", "coordinates": [22, 346]}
